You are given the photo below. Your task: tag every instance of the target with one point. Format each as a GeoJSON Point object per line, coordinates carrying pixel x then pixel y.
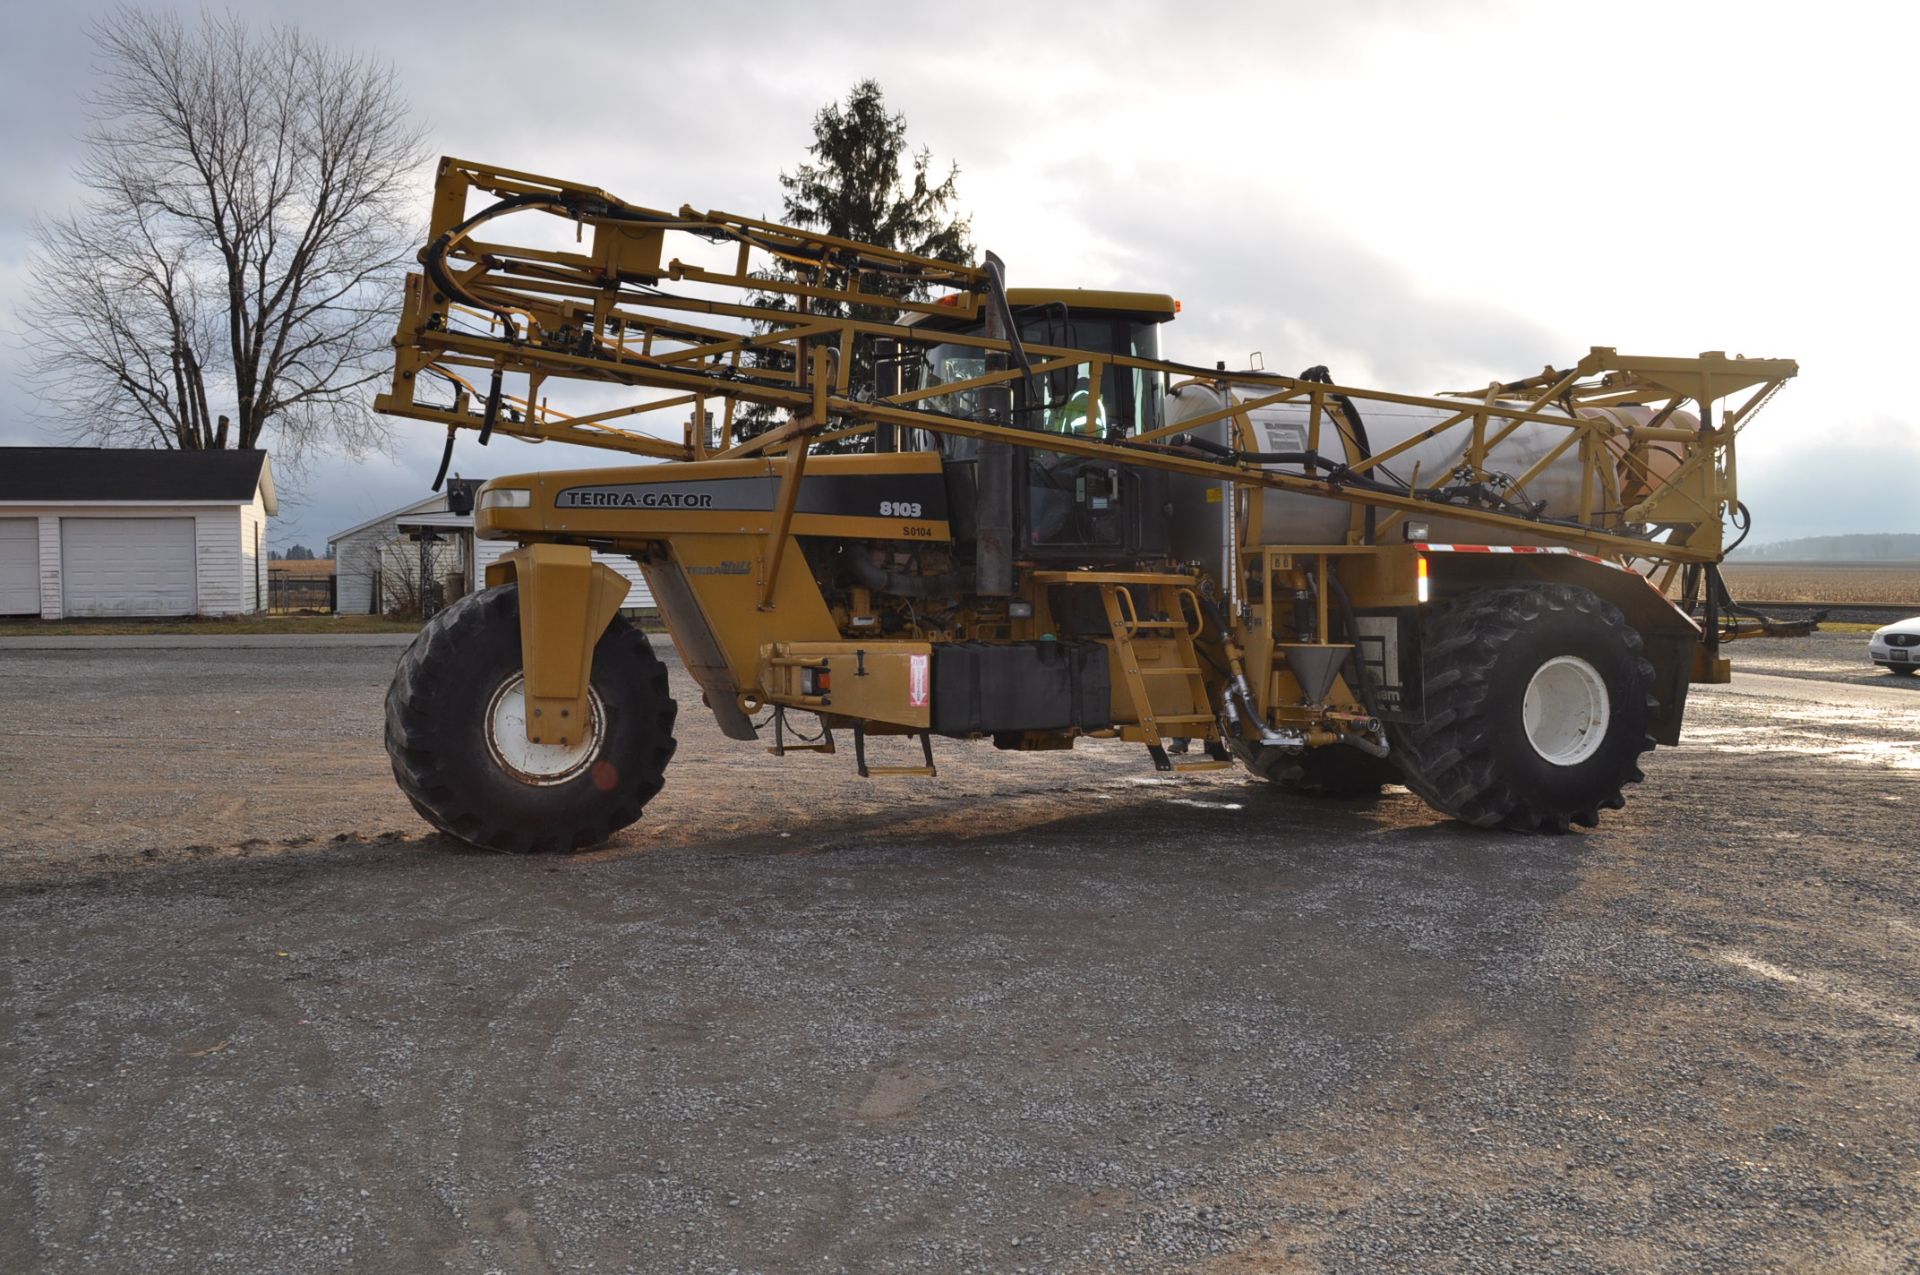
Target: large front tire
{"type": "Point", "coordinates": [454, 734]}
{"type": "Point", "coordinates": [1537, 709]}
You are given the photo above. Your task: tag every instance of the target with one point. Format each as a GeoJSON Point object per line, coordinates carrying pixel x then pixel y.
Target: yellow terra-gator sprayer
{"type": "Point", "coordinates": [985, 513]}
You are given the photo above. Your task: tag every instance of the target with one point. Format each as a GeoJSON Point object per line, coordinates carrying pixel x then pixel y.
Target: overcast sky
{"type": "Point", "coordinates": [1422, 196]}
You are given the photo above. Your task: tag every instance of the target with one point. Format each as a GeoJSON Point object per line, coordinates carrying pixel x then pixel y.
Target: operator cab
{"type": "Point", "coordinates": [1069, 509]}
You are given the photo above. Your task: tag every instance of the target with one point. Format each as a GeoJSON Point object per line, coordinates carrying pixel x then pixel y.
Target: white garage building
{"type": "Point", "coordinates": [378, 563]}
{"type": "Point", "coordinates": [97, 531]}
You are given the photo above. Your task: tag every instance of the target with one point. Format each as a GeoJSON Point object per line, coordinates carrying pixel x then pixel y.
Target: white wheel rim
{"type": "Point", "coordinates": [539, 764]}
{"type": "Point", "coordinates": [1565, 711]}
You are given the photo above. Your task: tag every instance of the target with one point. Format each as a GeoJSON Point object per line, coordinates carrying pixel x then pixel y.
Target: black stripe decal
{"type": "Point", "coordinates": [917, 496]}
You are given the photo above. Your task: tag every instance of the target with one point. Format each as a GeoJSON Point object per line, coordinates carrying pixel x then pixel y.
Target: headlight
{"type": "Point", "coordinates": [506, 498]}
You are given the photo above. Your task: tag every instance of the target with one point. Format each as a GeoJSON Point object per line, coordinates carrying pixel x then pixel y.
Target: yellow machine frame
{"type": "Point", "coordinates": [636, 332]}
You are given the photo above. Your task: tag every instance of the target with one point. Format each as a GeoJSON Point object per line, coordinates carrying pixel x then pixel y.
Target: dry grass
{"type": "Point", "coordinates": [1896, 584]}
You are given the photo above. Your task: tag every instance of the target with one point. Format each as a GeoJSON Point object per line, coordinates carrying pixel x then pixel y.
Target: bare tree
{"type": "Point", "coordinates": [234, 267]}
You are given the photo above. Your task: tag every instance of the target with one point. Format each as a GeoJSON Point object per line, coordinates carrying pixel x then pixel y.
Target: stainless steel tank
{"type": "Point", "coordinates": [1200, 509]}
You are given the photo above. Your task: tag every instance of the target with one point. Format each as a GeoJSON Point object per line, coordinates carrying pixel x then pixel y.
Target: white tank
{"type": "Point", "coordinates": [1200, 507]}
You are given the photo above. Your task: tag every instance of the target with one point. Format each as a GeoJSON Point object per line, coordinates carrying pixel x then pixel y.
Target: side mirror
{"type": "Point", "coordinates": [460, 493]}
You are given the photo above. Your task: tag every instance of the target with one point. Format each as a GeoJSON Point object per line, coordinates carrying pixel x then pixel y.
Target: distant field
{"type": "Point", "coordinates": [1895, 584]}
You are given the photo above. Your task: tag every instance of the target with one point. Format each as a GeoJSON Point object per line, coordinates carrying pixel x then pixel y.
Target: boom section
{"type": "Point", "coordinates": [547, 309]}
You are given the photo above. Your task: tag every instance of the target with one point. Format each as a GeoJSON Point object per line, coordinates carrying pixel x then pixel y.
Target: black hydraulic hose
{"type": "Point", "coordinates": [1724, 595]}
{"type": "Point", "coordinates": [433, 257]}
{"type": "Point", "coordinates": [1314, 459]}
{"type": "Point", "coordinates": [1336, 473]}
{"type": "Point", "coordinates": [1744, 522]}
{"type": "Point", "coordinates": [446, 458]}
{"type": "Point", "coordinates": [1319, 375]}
{"type": "Point", "coordinates": [1723, 600]}
{"type": "Point", "coordinates": [1203, 444]}
{"type": "Point", "coordinates": [997, 298]}
{"type": "Point", "coordinates": [1210, 611]}
{"type": "Point", "coordinates": [839, 258]}
{"type": "Point", "coordinates": [1357, 440]}
{"type": "Point", "coordinates": [492, 413]}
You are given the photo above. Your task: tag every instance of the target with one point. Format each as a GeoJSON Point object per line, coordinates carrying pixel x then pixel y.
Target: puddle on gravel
{"type": "Point", "coordinates": [1830, 732]}
{"type": "Point", "coordinates": [1886, 754]}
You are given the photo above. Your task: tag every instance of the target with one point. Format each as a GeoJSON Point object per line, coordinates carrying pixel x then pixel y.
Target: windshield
{"type": "Point", "coordinates": [1130, 400]}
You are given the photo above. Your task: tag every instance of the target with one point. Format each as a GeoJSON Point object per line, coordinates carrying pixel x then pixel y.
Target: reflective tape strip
{"type": "Point", "coordinates": [1571, 553]}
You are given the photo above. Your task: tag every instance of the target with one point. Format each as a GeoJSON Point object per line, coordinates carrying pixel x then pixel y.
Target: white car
{"type": "Point", "coordinates": [1897, 647]}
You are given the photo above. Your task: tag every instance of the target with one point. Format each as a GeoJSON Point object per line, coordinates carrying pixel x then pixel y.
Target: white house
{"type": "Point", "coordinates": [99, 531]}
{"type": "Point", "coordinates": [378, 563]}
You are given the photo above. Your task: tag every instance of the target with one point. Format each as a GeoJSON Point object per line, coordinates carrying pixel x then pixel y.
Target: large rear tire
{"type": "Point", "coordinates": [1537, 708]}
{"type": "Point", "coordinates": [455, 715]}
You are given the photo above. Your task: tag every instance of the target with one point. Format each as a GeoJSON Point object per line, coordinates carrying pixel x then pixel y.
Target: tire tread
{"type": "Point", "coordinates": [1449, 759]}
{"type": "Point", "coordinates": [425, 775]}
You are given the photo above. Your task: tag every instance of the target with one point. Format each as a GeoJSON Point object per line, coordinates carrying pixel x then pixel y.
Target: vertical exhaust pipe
{"type": "Point", "coordinates": [886, 384]}
{"type": "Point", "coordinates": [993, 508]}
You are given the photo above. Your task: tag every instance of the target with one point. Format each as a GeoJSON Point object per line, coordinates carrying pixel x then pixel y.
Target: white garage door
{"type": "Point", "coordinates": [127, 566]}
{"type": "Point", "coordinates": [19, 566]}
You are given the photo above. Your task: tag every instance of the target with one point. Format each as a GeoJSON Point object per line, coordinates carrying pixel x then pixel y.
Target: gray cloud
{"type": "Point", "coordinates": [1251, 278]}
{"type": "Point", "coordinates": [1051, 113]}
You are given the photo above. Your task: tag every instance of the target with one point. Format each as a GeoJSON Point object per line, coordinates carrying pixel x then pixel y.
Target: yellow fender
{"type": "Point", "coordinates": [566, 602]}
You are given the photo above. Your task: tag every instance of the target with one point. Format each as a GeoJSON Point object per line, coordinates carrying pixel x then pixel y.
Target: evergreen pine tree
{"type": "Point", "coordinates": [863, 184]}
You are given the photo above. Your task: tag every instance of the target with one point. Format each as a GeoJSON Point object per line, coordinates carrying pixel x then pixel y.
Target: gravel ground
{"type": "Point", "coordinates": [1045, 1013]}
